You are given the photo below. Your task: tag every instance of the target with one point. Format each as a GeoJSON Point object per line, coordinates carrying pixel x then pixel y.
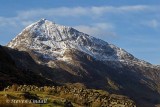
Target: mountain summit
{"type": "Point", "coordinates": [50, 41]}
{"type": "Point", "coordinates": [63, 54]}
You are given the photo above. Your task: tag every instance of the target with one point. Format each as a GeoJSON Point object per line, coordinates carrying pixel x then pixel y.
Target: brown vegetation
{"type": "Point", "coordinates": [69, 94]}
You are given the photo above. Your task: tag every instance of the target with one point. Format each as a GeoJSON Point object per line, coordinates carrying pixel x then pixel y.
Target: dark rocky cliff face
{"type": "Point", "coordinates": [14, 68]}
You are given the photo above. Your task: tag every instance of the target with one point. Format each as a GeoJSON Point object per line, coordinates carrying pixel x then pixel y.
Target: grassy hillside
{"type": "Point", "coordinates": [69, 95]}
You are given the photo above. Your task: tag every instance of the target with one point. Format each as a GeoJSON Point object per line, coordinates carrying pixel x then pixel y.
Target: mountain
{"type": "Point", "coordinates": [50, 41]}
{"type": "Point", "coordinates": [17, 67]}
{"type": "Point", "coordinates": [72, 56]}
{"type": "Point", "coordinates": [13, 70]}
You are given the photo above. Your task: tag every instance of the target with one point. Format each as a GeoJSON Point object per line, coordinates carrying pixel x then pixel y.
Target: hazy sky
{"type": "Point", "coordinates": [133, 25]}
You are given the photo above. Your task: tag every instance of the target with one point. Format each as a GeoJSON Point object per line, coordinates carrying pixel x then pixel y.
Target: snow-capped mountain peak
{"type": "Point", "coordinates": [50, 30]}
{"type": "Point", "coordinates": [50, 41]}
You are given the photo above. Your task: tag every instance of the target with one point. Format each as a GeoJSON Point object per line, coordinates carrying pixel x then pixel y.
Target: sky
{"type": "Point", "coordinates": [133, 25]}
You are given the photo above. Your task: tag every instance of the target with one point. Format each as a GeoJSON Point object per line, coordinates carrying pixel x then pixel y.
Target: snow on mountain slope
{"type": "Point", "coordinates": [51, 40]}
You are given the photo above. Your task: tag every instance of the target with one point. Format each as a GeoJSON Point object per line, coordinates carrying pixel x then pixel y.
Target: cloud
{"type": "Point", "coordinates": [134, 8]}
{"type": "Point", "coordinates": [7, 21]}
{"type": "Point", "coordinates": [61, 11]}
{"type": "Point", "coordinates": [14, 22]}
{"type": "Point", "coordinates": [100, 30]}
{"type": "Point", "coordinates": [27, 16]}
{"type": "Point", "coordinates": [80, 11]}
{"type": "Point", "coordinates": [120, 9]}
{"type": "Point", "coordinates": [94, 15]}
{"type": "Point", "coordinates": [152, 23]}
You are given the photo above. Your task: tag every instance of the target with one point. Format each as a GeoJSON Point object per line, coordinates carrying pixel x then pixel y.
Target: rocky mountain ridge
{"type": "Point", "coordinates": [50, 41]}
